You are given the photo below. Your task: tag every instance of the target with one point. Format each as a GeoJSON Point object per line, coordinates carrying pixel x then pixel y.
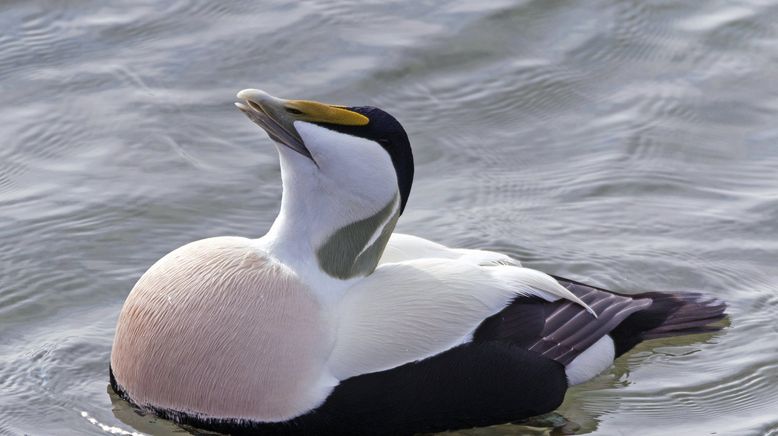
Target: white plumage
{"type": "Point", "coordinates": [592, 361]}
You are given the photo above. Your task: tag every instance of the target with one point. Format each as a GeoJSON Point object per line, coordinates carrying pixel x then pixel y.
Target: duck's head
{"type": "Point", "coordinates": [363, 147]}
{"type": "Point", "coordinates": [347, 173]}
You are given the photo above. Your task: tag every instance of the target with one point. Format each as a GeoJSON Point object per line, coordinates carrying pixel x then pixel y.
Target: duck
{"type": "Point", "coordinates": [332, 323]}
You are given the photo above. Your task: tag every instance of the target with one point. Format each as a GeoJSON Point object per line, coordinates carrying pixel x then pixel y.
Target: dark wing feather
{"type": "Point", "coordinates": [560, 330]}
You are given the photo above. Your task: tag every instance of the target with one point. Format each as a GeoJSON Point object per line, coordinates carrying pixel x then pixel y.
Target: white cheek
{"type": "Point", "coordinates": [352, 163]}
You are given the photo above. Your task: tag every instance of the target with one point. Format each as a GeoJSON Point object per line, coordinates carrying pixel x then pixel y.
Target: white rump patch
{"type": "Point", "coordinates": [591, 362]}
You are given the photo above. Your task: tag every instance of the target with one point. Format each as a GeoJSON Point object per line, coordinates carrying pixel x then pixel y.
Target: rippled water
{"type": "Point", "coordinates": [633, 145]}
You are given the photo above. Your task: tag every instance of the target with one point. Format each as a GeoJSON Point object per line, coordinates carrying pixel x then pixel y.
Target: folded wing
{"type": "Point", "coordinates": [560, 330]}
{"type": "Point", "coordinates": [408, 311]}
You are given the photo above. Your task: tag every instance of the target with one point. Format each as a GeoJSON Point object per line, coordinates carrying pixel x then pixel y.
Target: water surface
{"type": "Point", "coordinates": [629, 144]}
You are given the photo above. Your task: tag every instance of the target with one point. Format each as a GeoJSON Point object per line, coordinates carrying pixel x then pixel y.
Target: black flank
{"type": "Point", "coordinates": [472, 385]}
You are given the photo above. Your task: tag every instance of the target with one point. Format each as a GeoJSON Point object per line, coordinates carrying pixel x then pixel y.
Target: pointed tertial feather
{"type": "Point", "coordinates": [536, 280]}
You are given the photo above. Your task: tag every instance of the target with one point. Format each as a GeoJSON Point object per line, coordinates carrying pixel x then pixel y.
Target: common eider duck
{"type": "Point", "coordinates": [333, 324]}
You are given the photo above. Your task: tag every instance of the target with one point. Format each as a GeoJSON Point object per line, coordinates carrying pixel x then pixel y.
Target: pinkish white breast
{"type": "Point", "coordinates": [219, 329]}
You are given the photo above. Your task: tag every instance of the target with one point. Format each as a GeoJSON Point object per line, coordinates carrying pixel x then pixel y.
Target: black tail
{"type": "Point", "coordinates": [668, 315]}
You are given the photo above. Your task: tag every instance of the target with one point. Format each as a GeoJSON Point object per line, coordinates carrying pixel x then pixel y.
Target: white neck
{"type": "Point", "coordinates": [317, 216]}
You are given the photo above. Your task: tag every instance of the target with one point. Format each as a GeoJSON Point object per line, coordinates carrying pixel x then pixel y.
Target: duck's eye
{"type": "Point", "coordinates": [294, 111]}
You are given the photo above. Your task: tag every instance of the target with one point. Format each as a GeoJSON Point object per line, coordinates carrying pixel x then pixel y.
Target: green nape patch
{"type": "Point", "coordinates": [344, 255]}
